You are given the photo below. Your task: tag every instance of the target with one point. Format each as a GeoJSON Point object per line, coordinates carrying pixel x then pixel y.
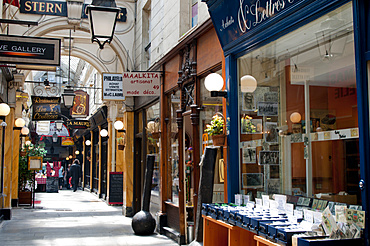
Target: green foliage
{"type": "Point", "coordinates": [216, 127]}
{"type": "Point", "coordinates": [26, 176]}
{"type": "Point", "coordinates": [247, 125]}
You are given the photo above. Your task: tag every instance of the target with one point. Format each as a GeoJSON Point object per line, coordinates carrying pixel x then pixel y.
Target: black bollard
{"type": "Point", "coordinates": [205, 191]}
{"type": "Point", "coordinates": [143, 222]}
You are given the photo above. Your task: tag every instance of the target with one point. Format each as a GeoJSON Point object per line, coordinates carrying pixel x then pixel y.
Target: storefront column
{"type": "Point", "coordinates": [100, 163]}
{"type": "Point", "coordinates": [91, 159]}
{"type": "Point", "coordinates": [232, 128]}
{"type": "Point", "coordinates": [112, 136]}
{"type": "Point", "coordinates": [8, 159]}
{"type": "Point", "coordinates": [83, 161]}
{"type": "Point", "coordinates": [128, 165]}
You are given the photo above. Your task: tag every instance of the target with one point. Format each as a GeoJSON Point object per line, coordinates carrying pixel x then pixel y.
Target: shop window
{"type": "Point", "coordinates": [194, 13]}
{"type": "Point", "coordinates": [146, 34]}
{"type": "Point", "coordinates": [299, 126]}
{"type": "Point", "coordinates": [153, 142]}
{"type": "Point", "coordinates": [173, 147]}
{"type": "Point", "coordinates": [212, 105]}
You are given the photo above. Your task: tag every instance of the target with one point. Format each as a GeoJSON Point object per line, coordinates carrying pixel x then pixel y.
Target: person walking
{"type": "Point", "coordinates": [61, 177]}
{"type": "Point", "coordinates": [67, 176]}
{"type": "Point", "coordinates": [76, 173]}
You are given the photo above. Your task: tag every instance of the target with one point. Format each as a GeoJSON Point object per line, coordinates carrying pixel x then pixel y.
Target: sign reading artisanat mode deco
{"type": "Point", "coordinates": [141, 83]}
{"type": "Point", "coordinates": [57, 8]}
{"type": "Point", "coordinates": [45, 108]}
{"type": "Point", "coordinates": [27, 50]}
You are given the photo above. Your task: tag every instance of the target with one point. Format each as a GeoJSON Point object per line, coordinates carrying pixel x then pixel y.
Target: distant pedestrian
{"type": "Point", "coordinates": [61, 177]}
{"type": "Point", "coordinates": [67, 176]}
{"type": "Point", "coordinates": [76, 173]}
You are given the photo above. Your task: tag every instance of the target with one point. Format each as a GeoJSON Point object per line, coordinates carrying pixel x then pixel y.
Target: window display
{"type": "Point", "coordinates": [299, 126]}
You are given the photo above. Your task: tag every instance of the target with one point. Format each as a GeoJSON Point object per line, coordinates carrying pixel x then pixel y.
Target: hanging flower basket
{"type": "Point", "coordinates": [22, 153]}
{"type": "Point", "coordinates": [156, 135]}
{"type": "Point", "coordinates": [121, 147]}
{"type": "Point", "coordinates": [218, 140]}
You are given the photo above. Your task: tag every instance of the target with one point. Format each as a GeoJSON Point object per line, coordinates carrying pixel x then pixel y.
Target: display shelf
{"type": "Point", "coordinates": [263, 241]}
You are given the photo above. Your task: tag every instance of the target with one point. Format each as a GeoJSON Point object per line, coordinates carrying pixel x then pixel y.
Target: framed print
{"type": "Point", "coordinates": [269, 158]}
{"type": "Point", "coordinates": [246, 126]}
{"type": "Point", "coordinates": [252, 180]}
{"type": "Point", "coordinates": [249, 155]}
{"type": "Point", "coordinates": [267, 108]}
{"type": "Point", "coordinates": [34, 162]}
{"type": "Point", "coordinates": [273, 186]}
{"type": "Point", "coordinates": [248, 102]}
{"type": "Point", "coordinates": [271, 132]}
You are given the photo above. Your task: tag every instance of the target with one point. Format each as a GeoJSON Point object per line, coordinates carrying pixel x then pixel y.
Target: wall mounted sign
{"type": "Point", "coordinates": [34, 163]}
{"type": "Point", "coordinates": [67, 141]}
{"type": "Point", "coordinates": [78, 124]}
{"type": "Point", "coordinates": [112, 87]}
{"type": "Point", "coordinates": [80, 108]}
{"type": "Point", "coordinates": [56, 8]}
{"type": "Point", "coordinates": [141, 83]}
{"type": "Point", "coordinates": [232, 19]}
{"type": "Point", "coordinates": [29, 50]}
{"type": "Point", "coordinates": [45, 108]}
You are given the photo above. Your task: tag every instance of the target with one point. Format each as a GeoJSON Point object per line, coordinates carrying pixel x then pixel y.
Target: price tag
{"type": "Point", "coordinates": [289, 209]}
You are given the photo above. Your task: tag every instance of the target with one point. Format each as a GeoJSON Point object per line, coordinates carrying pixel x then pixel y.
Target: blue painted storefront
{"type": "Point", "coordinates": [241, 31]}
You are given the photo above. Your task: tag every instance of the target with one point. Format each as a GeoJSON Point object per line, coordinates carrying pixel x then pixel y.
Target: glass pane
{"type": "Point", "coordinates": [299, 127]}
{"type": "Point", "coordinates": [153, 142]}
{"type": "Point", "coordinates": [212, 105]}
{"type": "Point", "coordinates": [173, 158]}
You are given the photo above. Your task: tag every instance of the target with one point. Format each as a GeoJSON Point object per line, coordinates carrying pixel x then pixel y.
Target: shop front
{"type": "Point", "coordinates": [301, 128]}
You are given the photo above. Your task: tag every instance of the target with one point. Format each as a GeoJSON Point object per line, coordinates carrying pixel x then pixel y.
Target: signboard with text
{"type": "Point", "coordinates": [29, 50]}
{"type": "Point", "coordinates": [141, 83]}
{"type": "Point", "coordinates": [45, 108]}
{"type": "Point", "coordinates": [112, 87]}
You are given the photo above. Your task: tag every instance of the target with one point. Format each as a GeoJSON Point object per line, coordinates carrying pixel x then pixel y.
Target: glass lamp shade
{"type": "Point", "coordinates": [67, 158]}
{"type": "Point", "coordinates": [118, 125]}
{"type": "Point", "coordinates": [59, 125]}
{"type": "Point", "coordinates": [70, 156]}
{"type": "Point", "coordinates": [248, 84]}
{"type": "Point", "coordinates": [103, 133]}
{"type": "Point", "coordinates": [68, 98]}
{"type": "Point", "coordinates": [27, 142]}
{"type": "Point", "coordinates": [88, 142]}
{"type": "Point", "coordinates": [25, 131]}
{"type": "Point", "coordinates": [55, 137]}
{"type": "Point", "coordinates": [77, 152]}
{"type": "Point", "coordinates": [295, 117]}
{"type": "Point", "coordinates": [4, 109]}
{"type": "Point", "coordinates": [19, 122]}
{"type": "Point", "coordinates": [214, 82]}
{"type": "Point", "coordinates": [102, 23]}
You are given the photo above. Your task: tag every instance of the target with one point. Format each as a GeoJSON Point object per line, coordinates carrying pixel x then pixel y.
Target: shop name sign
{"type": "Point", "coordinates": [29, 50]}
{"type": "Point", "coordinates": [78, 124]}
{"type": "Point", "coordinates": [45, 108]}
{"type": "Point", "coordinates": [112, 87]}
{"type": "Point", "coordinates": [57, 8]}
{"type": "Point", "coordinates": [233, 19]}
{"type": "Point", "coordinates": [141, 83]}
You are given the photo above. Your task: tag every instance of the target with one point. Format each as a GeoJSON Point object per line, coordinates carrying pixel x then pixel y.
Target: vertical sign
{"type": "Point", "coordinates": [112, 87]}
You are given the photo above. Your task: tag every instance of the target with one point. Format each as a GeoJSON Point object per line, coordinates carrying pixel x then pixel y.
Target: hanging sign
{"type": "Point", "coordinates": [45, 108]}
{"type": "Point", "coordinates": [29, 50]}
{"type": "Point", "coordinates": [57, 8]}
{"type": "Point", "coordinates": [141, 83]}
{"type": "Point", "coordinates": [67, 141]}
{"type": "Point", "coordinates": [78, 124]}
{"type": "Point", "coordinates": [80, 108]}
{"type": "Point", "coordinates": [42, 127]}
{"type": "Point", "coordinates": [112, 87]}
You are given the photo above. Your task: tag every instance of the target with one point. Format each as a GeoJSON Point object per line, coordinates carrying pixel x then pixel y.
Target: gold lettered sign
{"type": "Point", "coordinates": [78, 124]}
{"type": "Point", "coordinates": [45, 108]}
{"type": "Point", "coordinates": [80, 108]}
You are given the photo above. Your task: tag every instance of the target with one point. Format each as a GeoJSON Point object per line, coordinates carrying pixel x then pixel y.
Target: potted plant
{"type": "Point", "coordinates": [26, 176]}
{"type": "Point", "coordinates": [216, 129]}
{"type": "Point", "coordinates": [121, 143]}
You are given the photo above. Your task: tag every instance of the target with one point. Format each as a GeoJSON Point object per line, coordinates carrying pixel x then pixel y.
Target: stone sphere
{"type": "Point", "coordinates": [143, 223]}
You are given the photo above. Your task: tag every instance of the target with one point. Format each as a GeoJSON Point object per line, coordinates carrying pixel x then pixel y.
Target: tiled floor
{"type": "Point", "coordinates": [72, 218]}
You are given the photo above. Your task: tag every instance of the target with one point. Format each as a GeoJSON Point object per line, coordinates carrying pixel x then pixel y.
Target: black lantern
{"type": "Point", "coordinates": [103, 17]}
{"type": "Point", "coordinates": [68, 98]}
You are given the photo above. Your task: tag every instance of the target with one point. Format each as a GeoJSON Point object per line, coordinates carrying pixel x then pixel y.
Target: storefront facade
{"type": "Point", "coordinates": [310, 62]}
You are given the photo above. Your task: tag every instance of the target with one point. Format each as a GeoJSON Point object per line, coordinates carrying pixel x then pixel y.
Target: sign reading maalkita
{"type": "Point", "coordinates": [45, 108]}
{"type": "Point", "coordinates": [58, 8]}
{"type": "Point", "coordinates": [27, 50]}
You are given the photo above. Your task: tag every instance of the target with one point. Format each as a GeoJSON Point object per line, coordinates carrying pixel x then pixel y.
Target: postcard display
{"type": "Point", "coordinates": [289, 220]}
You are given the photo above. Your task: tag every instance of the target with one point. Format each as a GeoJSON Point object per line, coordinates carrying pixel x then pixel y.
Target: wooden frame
{"type": "Point", "coordinates": [34, 162]}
